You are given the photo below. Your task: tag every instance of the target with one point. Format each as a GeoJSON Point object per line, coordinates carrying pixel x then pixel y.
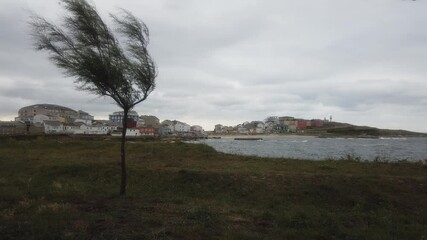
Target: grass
{"type": "Point", "coordinates": [68, 189]}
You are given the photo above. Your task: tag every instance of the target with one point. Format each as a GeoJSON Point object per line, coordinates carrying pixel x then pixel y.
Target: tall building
{"type": "Point", "coordinates": [118, 116]}
{"type": "Point", "coordinates": [27, 113]}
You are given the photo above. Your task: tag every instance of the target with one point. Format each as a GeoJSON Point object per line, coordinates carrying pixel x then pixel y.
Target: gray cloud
{"type": "Point", "coordinates": [232, 61]}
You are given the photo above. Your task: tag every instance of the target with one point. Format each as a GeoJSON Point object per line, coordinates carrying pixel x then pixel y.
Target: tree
{"type": "Point", "coordinates": [85, 48]}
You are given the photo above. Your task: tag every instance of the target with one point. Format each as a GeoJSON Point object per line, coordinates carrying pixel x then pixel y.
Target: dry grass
{"type": "Point", "coordinates": [68, 189]}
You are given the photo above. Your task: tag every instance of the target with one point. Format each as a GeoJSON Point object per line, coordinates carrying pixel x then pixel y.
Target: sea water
{"type": "Point", "coordinates": [306, 147]}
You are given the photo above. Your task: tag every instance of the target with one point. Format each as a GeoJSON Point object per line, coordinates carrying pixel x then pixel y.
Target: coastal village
{"type": "Point", "coordinates": [273, 125]}
{"type": "Point", "coordinates": [56, 119]}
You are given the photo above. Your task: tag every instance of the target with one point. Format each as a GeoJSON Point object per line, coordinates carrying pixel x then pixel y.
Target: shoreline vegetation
{"type": "Point", "coordinates": [346, 131]}
{"type": "Point", "coordinates": [64, 187]}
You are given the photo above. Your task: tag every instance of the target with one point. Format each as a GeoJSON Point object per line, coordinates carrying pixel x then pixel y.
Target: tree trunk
{"type": "Point", "coordinates": [122, 154]}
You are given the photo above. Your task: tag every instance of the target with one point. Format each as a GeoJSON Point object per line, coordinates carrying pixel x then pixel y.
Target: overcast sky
{"type": "Point", "coordinates": [230, 61]}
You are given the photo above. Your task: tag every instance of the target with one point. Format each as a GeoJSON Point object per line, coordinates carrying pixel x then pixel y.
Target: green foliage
{"type": "Point", "coordinates": [85, 48]}
{"type": "Point", "coordinates": [355, 131]}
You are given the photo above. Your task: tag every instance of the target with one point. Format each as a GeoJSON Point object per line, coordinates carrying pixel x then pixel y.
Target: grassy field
{"type": "Point", "coordinates": [68, 189]}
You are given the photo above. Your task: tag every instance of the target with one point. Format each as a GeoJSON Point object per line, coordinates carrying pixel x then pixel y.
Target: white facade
{"type": "Point", "coordinates": [27, 113]}
{"type": "Point", "coordinates": [133, 132]}
{"type": "Point", "coordinates": [130, 132]}
{"type": "Point", "coordinates": [40, 118]}
{"type": "Point", "coordinates": [53, 127]}
{"type": "Point", "coordinates": [88, 129]}
{"type": "Point", "coordinates": [260, 128]}
{"type": "Point", "coordinates": [168, 124]}
{"type": "Point", "coordinates": [71, 129]}
{"type": "Point", "coordinates": [181, 127]}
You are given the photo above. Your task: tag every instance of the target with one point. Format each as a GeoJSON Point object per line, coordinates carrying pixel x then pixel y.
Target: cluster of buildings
{"type": "Point", "coordinates": [273, 124]}
{"type": "Point", "coordinates": [55, 119]}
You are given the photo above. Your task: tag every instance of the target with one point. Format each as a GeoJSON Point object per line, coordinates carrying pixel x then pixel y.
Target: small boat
{"type": "Point", "coordinates": [215, 137]}
{"type": "Point", "coordinates": [249, 139]}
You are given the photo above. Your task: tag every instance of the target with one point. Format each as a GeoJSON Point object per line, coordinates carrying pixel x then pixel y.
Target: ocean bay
{"type": "Point", "coordinates": [314, 148]}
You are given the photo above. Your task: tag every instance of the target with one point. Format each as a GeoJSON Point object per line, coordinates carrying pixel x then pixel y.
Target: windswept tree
{"type": "Point", "coordinates": [110, 63]}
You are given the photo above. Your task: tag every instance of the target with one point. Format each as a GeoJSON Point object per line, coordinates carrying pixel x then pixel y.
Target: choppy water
{"type": "Point", "coordinates": [301, 147]}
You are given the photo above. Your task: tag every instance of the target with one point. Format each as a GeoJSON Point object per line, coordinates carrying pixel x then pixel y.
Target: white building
{"type": "Point", "coordinates": [130, 132]}
{"type": "Point", "coordinates": [260, 128]}
{"type": "Point", "coordinates": [81, 128]}
{"type": "Point", "coordinates": [72, 129]}
{"type": "Point", "coordinates": [168, 124]}
{"type": "Point", "coordinates": [40, 118]}
{"type": "Point", "coordinates": [53, 127]}
{"type": "Point", "coordinates": [181, 127]}
{"type": "Point", "coordinates": [27, 113]}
